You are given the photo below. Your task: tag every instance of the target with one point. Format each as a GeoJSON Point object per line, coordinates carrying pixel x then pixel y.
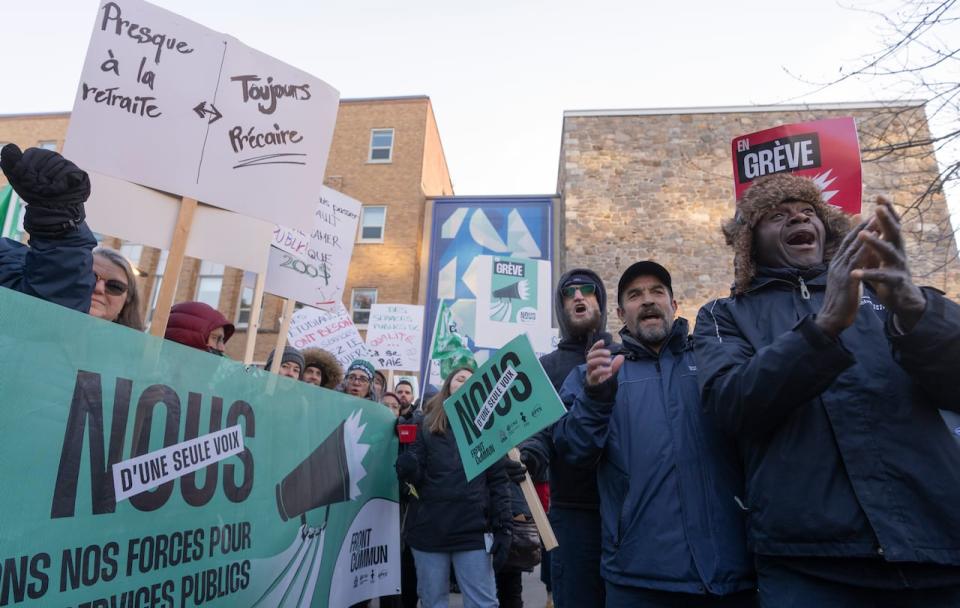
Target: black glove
{"type": "Point", "coordinates": [500, 549]}
{"type": "Point", "coordinates": [515, 470]}
{"type": "Point", "coordinates": [406, 467]}
{"type": "Point", "coordinates": [53, 188]}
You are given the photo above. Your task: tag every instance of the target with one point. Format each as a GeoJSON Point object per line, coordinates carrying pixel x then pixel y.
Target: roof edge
{"type": "Point", "coordinates": [791, 107]}
{"type": "Point", "coordinates": [35, 114]}
{"type": "Point", "coordinates": [388, 98]}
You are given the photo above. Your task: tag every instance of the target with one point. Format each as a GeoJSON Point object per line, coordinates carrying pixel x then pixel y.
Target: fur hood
{"type": "Point", "coordinates": [329, 367]}
{"type": "Point", "coordinates": [765, 193]}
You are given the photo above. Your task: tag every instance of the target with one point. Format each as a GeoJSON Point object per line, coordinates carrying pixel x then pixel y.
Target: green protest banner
{"type": "Point", "coordinates": [139, 472]}
{"type": "Point", "coordinates": [508, 399]}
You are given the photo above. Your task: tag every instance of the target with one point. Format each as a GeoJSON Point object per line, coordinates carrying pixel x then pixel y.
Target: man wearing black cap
{"type": "Point", "coordinates": [672, 532]}
{"type": "Point", "coordinates": [580, 303]}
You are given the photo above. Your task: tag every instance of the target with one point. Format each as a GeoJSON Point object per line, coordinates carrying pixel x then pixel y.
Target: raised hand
{"type": "Point", "coordinates": [886, 270]}
{"type": "Point", "coordinates": [842, 299]}
{"type": "Point", "coordinates": [600, 366]}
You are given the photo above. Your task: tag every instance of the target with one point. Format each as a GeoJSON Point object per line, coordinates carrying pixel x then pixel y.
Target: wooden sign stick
{"type": "Point", "coordinates": [171, 274]}
{"type": "Point", "coordinates": [253, 326]}
{"type": "Point", "coordinates": [536, 508]}
{"type": "Point", "coordinates": [282, 335]}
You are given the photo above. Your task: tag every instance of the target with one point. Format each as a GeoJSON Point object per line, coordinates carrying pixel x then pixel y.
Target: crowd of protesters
{"type": "Point", "coordinates": [790, 452]}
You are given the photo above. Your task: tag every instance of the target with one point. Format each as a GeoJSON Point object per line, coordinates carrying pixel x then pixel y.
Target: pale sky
{"type": "Point", "coordinates": [500, 73]}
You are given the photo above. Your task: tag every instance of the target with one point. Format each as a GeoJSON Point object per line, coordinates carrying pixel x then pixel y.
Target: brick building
{"type": "Point", "coordinates": [386, 153]}
{"type": "Point", "coordinates": [639, 184]}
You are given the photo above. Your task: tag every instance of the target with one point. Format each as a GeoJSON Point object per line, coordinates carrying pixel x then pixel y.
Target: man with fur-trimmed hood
{"type": "Point", "coordinates": [321, 368]}
{"type": "Point", "coordinates": [828, 365]}
{"type": "Point", "coordinates": [580, 304]}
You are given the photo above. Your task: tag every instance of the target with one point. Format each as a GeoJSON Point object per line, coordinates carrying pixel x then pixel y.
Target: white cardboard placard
{"type": "Point", "coordinates": [167, 103]}
{"type": "Point", "coordinates": [394, 336]}
{"type": "Point", "coordinates": [217, 235]}
{"type": "Point", "coordinates": [332, 330]}
{"type": "Point", "coordinates": [310, 265]}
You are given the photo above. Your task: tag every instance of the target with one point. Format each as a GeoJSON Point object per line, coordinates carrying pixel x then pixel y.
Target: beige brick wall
{"type": "Point", "coordinates": [30, 131]}
{"type": "Point", "coordinates": [658, 187]}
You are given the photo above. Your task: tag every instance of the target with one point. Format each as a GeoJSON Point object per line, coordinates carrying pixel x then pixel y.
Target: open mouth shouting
{"type": "Point", "coordinates": [803, 238]}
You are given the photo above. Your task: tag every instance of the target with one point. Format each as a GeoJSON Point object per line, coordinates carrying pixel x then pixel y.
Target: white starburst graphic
{"type": "Point", "coordinates": [352, 430]}
{"type": "Point", "coordinates": [823, 181]}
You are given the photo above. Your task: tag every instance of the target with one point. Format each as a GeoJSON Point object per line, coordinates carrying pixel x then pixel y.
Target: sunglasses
{"type": "Point", "coordinates": [571, 290]}
{"type": "Point", "coordinates": [112, 286]}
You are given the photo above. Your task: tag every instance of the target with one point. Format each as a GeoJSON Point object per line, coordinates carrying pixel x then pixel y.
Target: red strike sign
{"type": "Point", "coordinates": [826, 151]}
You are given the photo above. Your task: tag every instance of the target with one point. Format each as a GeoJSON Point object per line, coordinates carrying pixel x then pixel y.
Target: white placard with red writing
{"type": "Point", "coordinates": [310, 265]}
{"type": "Point", "coordinates": [167, 103]}
{"type": "Point", "coordinates": [332, 330]}
{"type": "Point", "coordinates": [394, 336]}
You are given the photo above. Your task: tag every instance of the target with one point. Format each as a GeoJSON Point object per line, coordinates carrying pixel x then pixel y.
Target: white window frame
{"type": "Point", "coordinates": [157, 280]}
{"type": "Point", "coordinates": [353, 311]}
{"type": "Point", "coordinates": [47, 144]}
{"type": "Point", "coordinates": [383, 227]}
{"type": "Point", "coordinates": [389, 158]}
{"type": "Point", "coordinates": [210, 270]}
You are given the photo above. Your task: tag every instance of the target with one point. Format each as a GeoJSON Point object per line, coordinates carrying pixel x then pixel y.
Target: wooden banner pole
{"type": "Point", "coordinates": [282, 335]}
{"type": "Point", "coordinates": [254, 324]}
{"type": "Point", "coordinates": [171, 274]}
{"type": "Point", "coordinates": [536, 508]}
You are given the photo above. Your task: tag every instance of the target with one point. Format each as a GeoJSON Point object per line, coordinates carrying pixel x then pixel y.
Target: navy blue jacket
{"type": "Point", "coordinates": [844, 450]}
{"type": "Point", "coordinates": [451, 513]}
{"type": "Point", "coordinates": [668, 480]}
{"type": "Point", "coordinates": [57, 270]}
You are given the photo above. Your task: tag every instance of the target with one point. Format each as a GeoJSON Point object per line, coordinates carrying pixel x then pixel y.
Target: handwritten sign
{"type": "Point", "coordinates": [332, 330]}
{"type": "Point", "coordinates": [394, 336]}
{"type": "Point", "coordinates": [310, 266]}
{"type": "Point", "coordinates": [166, 103]}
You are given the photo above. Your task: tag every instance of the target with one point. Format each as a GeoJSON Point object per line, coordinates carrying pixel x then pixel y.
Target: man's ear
{"type": "Point", "coordinates": [676, 307]}
{"type": "Point", "coordinates": [620, 313]}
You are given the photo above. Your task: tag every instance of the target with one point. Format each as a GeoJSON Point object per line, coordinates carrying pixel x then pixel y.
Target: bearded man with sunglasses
{"type": "Point", "coordinates": [580, 303]}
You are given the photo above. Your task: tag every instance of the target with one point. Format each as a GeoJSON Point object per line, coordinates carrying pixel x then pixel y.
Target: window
{"type": "Point", "coordinates": [245, 306]}
{"type": "Point", "coordinates": [361, 300]}
{"type": "Point", "coordinates": [48, 145]}
{"type": "Point", "coordinates": [133, 253]}
{"type": "Point", "coordinates": [209, 283]}
{"type": "Point", "coordinates": [381, 146]}
{"type": "Point", "coordinates": [372, 222]}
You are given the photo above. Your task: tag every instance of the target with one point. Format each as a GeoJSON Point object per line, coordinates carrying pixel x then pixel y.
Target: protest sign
{"type": "Point", "coordinates": [167, 103]}
{"type": "Point", "coordinates": [508, 399]}
{"type": "Point", "coordinates": [332, 330]}
{"type": "Point", "coordinates": [448, 349]}
{"type": "Point", "coordinates": [310, 265]}
{"type": "Point", "coordinates": [216, 236]}
{"type": "Point", "coordinates": [268, 492]}
{"type": "Point", "coordinates": [827, 151]}
{"type": "Point", "coordinates": [513, 297]}
{"type": "Point", "coordinates": [394, 336]}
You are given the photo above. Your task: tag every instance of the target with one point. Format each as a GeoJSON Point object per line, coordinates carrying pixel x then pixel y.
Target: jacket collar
{"type": "Point", "coordinates": [815, 275]}
{"type": "Point", "coordinates": [677, 342]}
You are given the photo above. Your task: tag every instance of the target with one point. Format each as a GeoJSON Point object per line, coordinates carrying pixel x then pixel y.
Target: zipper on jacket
{"type": "Point", "coordinates": [804, 292]}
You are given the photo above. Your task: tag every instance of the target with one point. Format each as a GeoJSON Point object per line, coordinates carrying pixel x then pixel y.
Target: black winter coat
{"type": "Point", "coordinates": [844, 451]}
{"type": "Point", "coordinates": [452, 514]}
{"type": "Point", "coordinates": [57, 270]}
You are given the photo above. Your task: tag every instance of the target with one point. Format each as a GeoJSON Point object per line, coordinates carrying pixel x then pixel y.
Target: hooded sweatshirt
{"type": "Point", "coordinates": [571, 486]}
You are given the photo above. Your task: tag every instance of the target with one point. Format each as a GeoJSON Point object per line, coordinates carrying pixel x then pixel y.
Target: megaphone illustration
{"type": "Point", "coordinates": [515, 291]}
{"type": "Point", "coordinates": [328, 475]}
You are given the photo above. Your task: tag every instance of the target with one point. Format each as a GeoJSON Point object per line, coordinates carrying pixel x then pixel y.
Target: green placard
{"type": "Point", "coordinates": [513, 289]}
{"type": "Point", "coordinates": [508, 399]}
{"type": "Point", "coordinates": [294, 485]}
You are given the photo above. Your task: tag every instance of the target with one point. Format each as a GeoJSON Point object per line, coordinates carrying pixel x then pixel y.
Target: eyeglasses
{"type": "Point", "coordinates": [112, 286]}
{"type": "Point", "coordinates": [357, 379]}
{"type": "Point", "coordinates": [571, 290]}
